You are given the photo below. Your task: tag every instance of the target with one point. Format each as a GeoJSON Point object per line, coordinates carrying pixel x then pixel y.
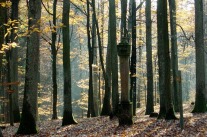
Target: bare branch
{"type": "Point", "coordinates": [45, 39]}
{"type": "Point", "coordinates": [188, 38]}
{"type": "Point", "coordinates": [79, 9]}
{"type": "Point", "coordinates": [46, 8]}
{"type": "Point", "coordinates": [140, 5]}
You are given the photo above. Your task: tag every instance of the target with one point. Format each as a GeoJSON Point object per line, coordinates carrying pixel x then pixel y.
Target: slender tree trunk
{"type": "Point", "coordinates": [150, 99]}
{"type": "Point", "coordinates": [54, 59]}
{"type": "Point", "coordinates": [102, 54]}
{"type": "Point", "coordinates": [91, 111]}
{"type": "Point", "coordinates": [8, 58]}
{"type": "Point", "coordinates": [113, 52]}
{"type": "Point", "coordinates": [29, 110]}
{"type": "Point", "coordinates": [67, 109]}
{"type": "Point", "coordinates": [155, 82]}
{"type": "Point", "coordinates": [107, 97]}
{"type": "Point", "coordinates": [200, 99]}
{"type": "Point", "coordinates": [95, 68]}
{"type": "Point", "coordinates": [2, 32]}
{"type": "Point", "coordinates": [174, 56]}
{"type": "Point", "coordinates": [139, 61]}
{"type": "Point", "coordinates": [133, 76]}
{"type": "Point", "coordinates": [123, 18]}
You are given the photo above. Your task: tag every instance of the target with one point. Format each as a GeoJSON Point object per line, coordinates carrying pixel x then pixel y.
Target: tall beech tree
{"type": "Point", "coordinates": [96, 91]}
{"type": "Point", "coordinates": [29, 110]}
{"type": "Point", "coordinates": [113, 52]}
{"type": "Point", "coordinates": [166, 106]}
{"type": "Point", "coordinates": [14, 62]}
{"type": "Point", "coordinates": [174, 56]}
{"type": "Point", "coordinates": [54, 60]}
{"type": "Point", "coordinates": [67, 106]}
{"type": "Point", "coordinates": [150, 99]}
{"type": "Point", "coordinates": [200, 99]}
{"type": "Point", "coordinates": [91, 110]}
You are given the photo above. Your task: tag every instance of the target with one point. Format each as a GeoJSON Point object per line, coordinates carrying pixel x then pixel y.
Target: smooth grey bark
{"type": "Point", "coordinates": [174, 56]}
{"type": "Point", "coordinates": [200, 99]}
{"type": "Point", "coordinates": [113, 52]}
{"type": "Point", "coordinates": [95, 68]}
{"type": "Point", "coordinates": [150, 99]}
{"type": "Point", "coordinates": [166, 106]}
{"type": "Point", "coordinates": [91, 111]}
{"type": "Point", "coordinates": [67, 104]}
{"type": "Point", "coordinates": [29, 110]}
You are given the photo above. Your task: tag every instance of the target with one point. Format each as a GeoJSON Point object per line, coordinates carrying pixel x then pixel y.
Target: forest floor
{"type": "Point", "coordinates": [195, 125]}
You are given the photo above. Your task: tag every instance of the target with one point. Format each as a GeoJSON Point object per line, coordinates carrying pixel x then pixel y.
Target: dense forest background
{"type": "Point", "coordinates": [79, 55]}
{"type": "Point", "coordinates": [44, 43]}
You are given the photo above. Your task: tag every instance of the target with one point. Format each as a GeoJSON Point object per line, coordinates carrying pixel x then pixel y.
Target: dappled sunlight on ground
{"type": "Point", "coordinates": [144, 126]}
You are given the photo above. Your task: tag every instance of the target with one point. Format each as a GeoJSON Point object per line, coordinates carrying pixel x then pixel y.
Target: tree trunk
{"type": "Point", "coordinates": [174, 57]}
{"type": "Point", "coordinates": [67, 109]}
{"type": "Point", "coordinates": [14, 64]}
{"type": "Point", "coordinates": [200, 99]}
{"type": "Point", "coordinates": [29, 110]}
{"type": "Point", "coordinates": [139, 61]}
{"type": "Point", "coordinates": [113, 52]}
{"type": "Point", "coordinates": [54, 59]}
{"type": "Point", "coordinates": [1, 135]}
{"type": "Point", "coordinates": [102, 42]}
{"type": "Point", "coordinates": [2, 32]}
{"type": "Point", "coordinates": [133, 62]}
{"type": "Point", "coordinates": [107, 97]}
{"type": "Point", "coordinates": [123, 18]}
{"type": "Point", "coordinates": [8, 58]}
{"type": "Point", "coordinates": [166, 106]}
{"type": "Point", "coordinates": [91, 111]}
{"type": "Point", "coordinates": [150, 99]}
{"type": "Point", "coordinates": [106, 110]}
{"type": "Point", "coordinates": [95, 63]}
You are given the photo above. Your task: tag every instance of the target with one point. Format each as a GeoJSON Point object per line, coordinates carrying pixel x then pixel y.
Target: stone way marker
{"type": "Point", "coordinates": [125, 107]}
